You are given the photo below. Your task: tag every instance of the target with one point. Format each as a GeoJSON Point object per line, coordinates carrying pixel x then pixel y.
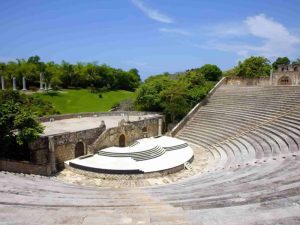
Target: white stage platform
{"type": "Point", "coordinates": [144, 156]}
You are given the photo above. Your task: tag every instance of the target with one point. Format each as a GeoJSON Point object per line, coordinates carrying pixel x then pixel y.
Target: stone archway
{"type": "Point", "coordinates": [285, 80]}
{"type": "Point", "coordinates": [122, 140]}
{"type": "Point", "coordinates": [145, 132]}
{"type": "Point", "coordinates": [79, 149]}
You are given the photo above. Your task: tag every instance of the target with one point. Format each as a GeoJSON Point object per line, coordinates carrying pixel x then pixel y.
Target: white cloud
{"type": "Point", "coordinates": [226, 29]}
{"type": "Point", "coordinates": [152, 13]}
{"type": "Point", "coordinates": [273, 38]}
{"type": "Point", "coordinates": [175, 31]}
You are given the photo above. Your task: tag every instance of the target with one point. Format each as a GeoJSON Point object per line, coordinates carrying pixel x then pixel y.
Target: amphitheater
{"type": "Point", "coordinates": [246, 142]}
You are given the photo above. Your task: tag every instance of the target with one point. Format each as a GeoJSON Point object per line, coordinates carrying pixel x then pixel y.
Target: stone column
{"type": "Point", "coordinates": [2, 83]}
{"type": "Point", "coordinates": [52, 160]}
{"type": "Point", "coordinates": [49, 86]}
{"type": "Point", "coordinates": [14, 84]}
{"type": "Point", "coordinates": [41, 82]}
{"type": "Point", "coordinates": [24, 84]}
{"type": "Point", "coordinates": [159, 127]}
{"type": "Point", "coordinates": [46, 86]}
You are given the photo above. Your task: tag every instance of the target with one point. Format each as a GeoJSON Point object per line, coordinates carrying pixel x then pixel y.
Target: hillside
{"type": "Point", "coordinates": [82, 100]}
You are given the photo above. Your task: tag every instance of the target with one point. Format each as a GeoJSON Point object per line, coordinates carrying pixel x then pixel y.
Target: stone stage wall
{"type": "Point", "coordinates": [132, 131]}
{"type": "Point", "coordinates": [51, 151]}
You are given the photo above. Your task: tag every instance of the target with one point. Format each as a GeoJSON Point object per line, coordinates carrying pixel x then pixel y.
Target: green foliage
{"type": "Point", "coordinates": [297, 61]}
{"type": "Point", "coordinates": [40, 107]}
{"type": "Point", "coordinates": [174, 95]}
{"type": "Point", "coordinates": [281, 61]}
{"type": "Point", "coordinates": [255, 66]}
{"type": "Point", "coordinates": [18, 125]}
{"type": "Point", "coordinates": [148, 94]}
{"type": "Point", "coordinates": [66, 75]}
{"type": "Point", "coordinates": [174, 101]}
{"type": "Point", "coordinates": [231, 72]}
{"type": "Point", "coordinates": [211, 72]}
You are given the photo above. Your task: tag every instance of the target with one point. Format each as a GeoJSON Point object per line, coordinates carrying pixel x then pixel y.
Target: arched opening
{"type": "Point", "coordinates": [284, 81]}
{"type": "Point", "coordinates": [296, 68]}
{"type": "Point", "coordinates": [79, 149]}
{"type": "Point", "coordinates": [122, 140]}
{"type": "Point", "coordinates": [145, 132]}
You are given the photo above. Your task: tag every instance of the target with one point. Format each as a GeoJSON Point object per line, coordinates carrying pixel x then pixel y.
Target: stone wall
{"type": "Point", "coordinates": [294, 77]}
{"type": "Point", "coordinates": [132, 132]}
{"type": "Point", "coordinates": [240, 81]}
{"type": "Point", "coordinates": [25, 167]}
{"type": "Point", "coordinates": [54, 150]}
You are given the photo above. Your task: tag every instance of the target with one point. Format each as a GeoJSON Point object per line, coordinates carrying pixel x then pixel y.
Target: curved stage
{"type": "Point", "coordinates": [144, 156]}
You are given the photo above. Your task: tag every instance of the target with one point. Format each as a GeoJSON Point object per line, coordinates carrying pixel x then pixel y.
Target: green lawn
{"type": "Point", "coordinates": [82, 100]}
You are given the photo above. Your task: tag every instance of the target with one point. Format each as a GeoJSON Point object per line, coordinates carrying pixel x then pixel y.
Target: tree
{"type": "Point", "coordinates": [27, 69]}
{"type": "Point", "coordinates": [174, 95]}
{"type": "Point", "coordinates": [174, 101]}
{"type": "Point", "coordinates": [281, 61]}
{"type": "Point", "coordinates": [297, 61]}
{"type": "Point", "coordinates": [82, 75]}
{"type": "Point", "coordinates": [255, 66]}
{"type": "Point", "coordinates": [211, 72]}
{"type": "Point", "coordinates": [148, 94]}
{"type": "Point", "coordinates": [18, 124]}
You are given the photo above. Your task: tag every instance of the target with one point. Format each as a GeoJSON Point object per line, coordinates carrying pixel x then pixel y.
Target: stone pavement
{"type": "Point", "coordinates": [85, 123]}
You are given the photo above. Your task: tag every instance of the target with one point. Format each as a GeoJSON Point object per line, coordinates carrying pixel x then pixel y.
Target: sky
{"type": "Point", "coordinates": [154, 36]}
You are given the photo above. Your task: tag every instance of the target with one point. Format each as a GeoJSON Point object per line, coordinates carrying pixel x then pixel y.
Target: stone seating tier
{"type": "Point", "coordinates": [250, 138]}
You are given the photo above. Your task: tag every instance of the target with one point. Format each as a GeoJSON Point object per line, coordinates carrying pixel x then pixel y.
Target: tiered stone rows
{"type": "Point", "coordinates": [242, 125]}
{"type": "Point", "coordinates": [251, 137]}
{"type": "Point", "coordinates": [137, 156]}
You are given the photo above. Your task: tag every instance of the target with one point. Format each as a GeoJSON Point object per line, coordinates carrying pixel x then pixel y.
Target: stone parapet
{"type": "Point", "coordinates": [95, 114]}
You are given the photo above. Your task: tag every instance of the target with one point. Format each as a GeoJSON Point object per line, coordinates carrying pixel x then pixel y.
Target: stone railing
{"type": "Point", "coordinates": [180, 125]}
{"type": "Point", "coordinates": [95, 114]}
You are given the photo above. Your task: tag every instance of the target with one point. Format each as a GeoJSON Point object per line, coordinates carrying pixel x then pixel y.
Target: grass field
{"type": "Point", "coordinates": [82, 100]}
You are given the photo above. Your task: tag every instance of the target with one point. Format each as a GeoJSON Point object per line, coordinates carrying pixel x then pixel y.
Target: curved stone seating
{"type": "Point", "coordinates": [231, 112]}
{"type": "Point", "coordinates": [251, 138]}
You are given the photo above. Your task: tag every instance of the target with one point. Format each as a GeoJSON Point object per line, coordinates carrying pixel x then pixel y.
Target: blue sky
{"type": "Point", "coordinates": [153, 36]}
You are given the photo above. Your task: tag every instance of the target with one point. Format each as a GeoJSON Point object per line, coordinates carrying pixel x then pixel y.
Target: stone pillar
{"type": "Point", "coordinates": [14, 84]}
{"type": "Point", "coordinates": [41, 82]}
{"type": "Point", "coordinates": [2, 83]}
{"type": "Point", "coordinates": [159, 127]}
{"type": "Point", "coordinates": [49, 86]}
{"type": "Point", "coordinates": [24, 84]}
{"type": "Point", "coordinates": [46, 86]}
{"type": "Point", "coordinates": [52, 160]}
